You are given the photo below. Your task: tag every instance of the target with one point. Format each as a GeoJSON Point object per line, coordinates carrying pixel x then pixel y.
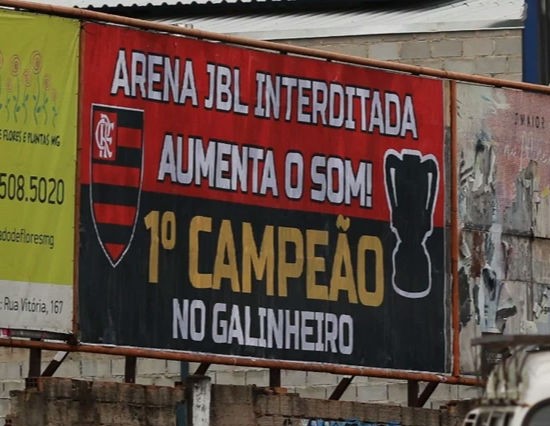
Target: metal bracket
{"type": "Point", "coordinates": [414, 399]}
{"type": "Point", "coordinates": [341, 388]}
{"type": "Point", "coordinates": [202, 368]}
{"type": "Point", "coordinates": [54, 364]}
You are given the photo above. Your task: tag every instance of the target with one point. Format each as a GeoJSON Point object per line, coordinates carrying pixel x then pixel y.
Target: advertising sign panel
{"type": "Point", "coordinates": [504, 187]}
{"type": "Point", "coordinates": [38, 102]}
{"type": "Point", "coordinates": [246, 203]}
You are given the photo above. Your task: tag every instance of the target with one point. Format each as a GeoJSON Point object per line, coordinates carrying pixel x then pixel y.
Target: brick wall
{"type": "Point", "coordinates": [57, 402]}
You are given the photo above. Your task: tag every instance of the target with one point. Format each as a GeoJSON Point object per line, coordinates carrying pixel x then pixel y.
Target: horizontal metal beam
{"type": "Point", "coordinates": [90, 15]}
{"type": "Point", "coordinates": [242, 361]}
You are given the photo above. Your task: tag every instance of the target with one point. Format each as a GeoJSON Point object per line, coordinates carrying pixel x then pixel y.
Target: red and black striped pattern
{"type": "Point", "coordinates": [116, 177]}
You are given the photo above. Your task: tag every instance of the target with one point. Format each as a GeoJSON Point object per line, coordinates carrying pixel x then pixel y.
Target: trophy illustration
{"type": "Point", "coordinates": [411, 188]}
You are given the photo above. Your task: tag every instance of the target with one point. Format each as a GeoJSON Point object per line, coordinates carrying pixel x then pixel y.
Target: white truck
{"type": "Point", "coordinates": [517, 390]}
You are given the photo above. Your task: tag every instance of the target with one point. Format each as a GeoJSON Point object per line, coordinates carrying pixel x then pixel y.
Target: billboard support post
{"type": "Point", "coordinates": [412, 393]}
{"type": "Point", "coordinates": [454, 236]}
{"type": "Point", "coordinates": [274, 377]}
{"type": "Point", "coordinates": [130, 363]}
{"type": "Point", "coordinates": [35, 360]}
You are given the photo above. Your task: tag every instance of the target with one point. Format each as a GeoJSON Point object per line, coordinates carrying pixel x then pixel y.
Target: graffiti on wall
{"type": "Point", "coordinates": [504, 206]}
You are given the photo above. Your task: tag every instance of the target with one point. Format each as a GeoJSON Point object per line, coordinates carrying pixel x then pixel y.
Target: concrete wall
{"type": "Point", "coordinates": [60, 402]}
{"type": "Point", "coordinates": [495, 53]}
{"type": "Point", "coordinates": [14, 368]}
{"type": "Point", "coordinates": [64, 402]}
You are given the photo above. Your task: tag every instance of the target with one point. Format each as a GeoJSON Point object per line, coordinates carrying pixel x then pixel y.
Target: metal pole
{"type": "Point", "coordinates": [455, 295]}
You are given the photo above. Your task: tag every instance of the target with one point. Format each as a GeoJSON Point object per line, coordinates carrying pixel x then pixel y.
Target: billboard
{"type": "Point", "coordinates": [504, 206]}
{"type": "Point", "coordinates": [38, 100]}
{"type": "Point", "coordinates": [245, 203]}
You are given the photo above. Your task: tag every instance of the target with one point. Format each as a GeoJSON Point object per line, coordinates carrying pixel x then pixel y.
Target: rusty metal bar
{"type": "Point", "coordinates": [130, 369]}
{"type": "Point", "coordinates": [202, 369]}
{"type": "Point", "coordinates": [455, 296]}
{"type": "Point", "coordinates": [54, 364]}
{"type": "Point", "coordinates": [89, 15]}
{"type": "Point", "coordinates": [384, 373]}
{"type": "Point", "coordinates": [76, 233]}
{"type": "Point", "coordinates": [412, 393]}
{"type": "Point", "coordinates": [341, 388]}
{"type": "Point", "coordinates": [274, 377]}
{"type": "Point", "coordinates": [426, 393]}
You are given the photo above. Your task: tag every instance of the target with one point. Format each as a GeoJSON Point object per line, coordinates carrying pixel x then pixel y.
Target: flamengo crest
{"type": "Point", "coordinates": [116, 174]}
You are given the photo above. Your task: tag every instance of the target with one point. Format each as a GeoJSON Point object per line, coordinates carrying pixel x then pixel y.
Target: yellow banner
{"type": "Point", "coordinates": [38, 138]}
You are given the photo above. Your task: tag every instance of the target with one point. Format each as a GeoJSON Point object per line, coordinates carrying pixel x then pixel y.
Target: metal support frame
{"type": "Point", "coordinates": [202, 369]}
{"type": "Point", "coordinates": [454, 233]}
{"type": "Point", "coordinates": [426, 393]}
{"type": "Point", "coordinates": [55, 363]}
{"type": "Point", "coordinates": [242, 361]}
{"type": "Point", "coordinates": [130, 369]}
{"type": "Point", "coordinates": [412, 393]}
{"type": "Point", "coordinates": [274, 377]}
{"type": "Point", "coordinates": [341, 388]}
{"type": "Point", "coordinates": [416, 399]}
{"type": "Point", "coordinates": [35, 360]}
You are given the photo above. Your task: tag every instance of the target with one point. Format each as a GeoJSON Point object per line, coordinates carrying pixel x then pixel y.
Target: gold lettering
{"type": "Point", "coordinates": [287, 269]}
{"type": "Point", "coordinates": [198, 224]}
{"type": "Point", "coordinates": [263, 262]}
{"type": "Point", "coordinates": [226, 251]}
{"type": "Point", "coordinates": [315, 264]}
{"type": "Point", "coordinates": [342, 271]}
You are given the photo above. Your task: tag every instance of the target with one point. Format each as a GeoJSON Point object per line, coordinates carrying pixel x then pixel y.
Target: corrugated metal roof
{"type": "Point", "coordinates": [455, 16]}
{"type": "Point", "coordinates": [97, 4]}
{"type": "Point", "coordinates": [383, 19]}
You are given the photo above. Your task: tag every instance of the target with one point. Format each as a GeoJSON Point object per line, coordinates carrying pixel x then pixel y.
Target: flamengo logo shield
{"type": "Point", "coordinates": [116, 176]}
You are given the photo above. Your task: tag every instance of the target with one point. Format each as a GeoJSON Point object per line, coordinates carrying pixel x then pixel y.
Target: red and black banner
{"type": "Point", "coordinates": [247, 203]}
